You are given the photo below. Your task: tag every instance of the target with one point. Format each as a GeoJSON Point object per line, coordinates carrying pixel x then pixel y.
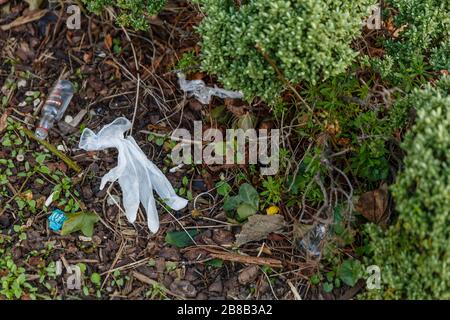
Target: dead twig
{"type": "Point", "coordinates": [235, 257]}
{"type": "Point", "coordinates": [72, 164]}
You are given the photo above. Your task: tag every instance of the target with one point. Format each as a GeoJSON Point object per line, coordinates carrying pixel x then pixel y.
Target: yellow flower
{"type": "Point", "coordinates": [272, 210]}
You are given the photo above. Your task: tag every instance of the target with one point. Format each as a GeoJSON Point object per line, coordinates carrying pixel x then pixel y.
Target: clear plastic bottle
{"type": "Point", "coordinates": [54, 107]}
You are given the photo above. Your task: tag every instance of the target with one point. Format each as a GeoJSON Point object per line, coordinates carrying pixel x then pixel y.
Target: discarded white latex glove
{"type": "Point", "coordinates": [202, 93]}
{"type": "Point", "coordinates": [137, 175]}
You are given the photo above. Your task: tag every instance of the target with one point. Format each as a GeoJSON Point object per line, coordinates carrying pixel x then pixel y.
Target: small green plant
{"type": "Point", "coordinates": [13, 280]}
{"type": "Point", "coordinates": [118, 279]}
{"type": "Point", "coordinates": [336, 268]}
{"type": "Point", "coordinates": [303, 182]}
{"type": "Point", "coordinates": [131, 13]}
{"type": "Point", "coordinates": [188, 62]}
{"type": "Point", "coordinates": [422, 43]}
{"type": "Point", "coordinates": [413, 253]}
{"type": "Point", "coordinates": [243, 205]}
{"type": "Point", "coordinates": [272, 190]}
{"type": "Point", "coordinates": [248, 45]}
{"type": "Point", "coordinates": [184, 189]}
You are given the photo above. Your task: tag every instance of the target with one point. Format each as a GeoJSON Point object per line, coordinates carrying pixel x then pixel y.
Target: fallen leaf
{"type": "Point", "coordinates": [82, 221]}
{"type": "Point", "coordinates": [259, 227]}
{"type": "Point", "coordinates": [30, 17]}
{"type": "Point", "coordinates": [248, 275]}
{"type": "Point", "coordinates": [180, 239]}
{"type": "Point", "coordinates": [3, 122]}
{"type": "Point", "coordinates": [108, 41]}
{"type": "Point", "coordinates": [397, 31]}
{"type": "Point", "coordinates": [34, 4]}
{"type": "Point", "coordinates": [373, 205]}
{"type": "Point", "coordinates": [27, 195]}
{"type": "Point", "coordinates": [393, 30]}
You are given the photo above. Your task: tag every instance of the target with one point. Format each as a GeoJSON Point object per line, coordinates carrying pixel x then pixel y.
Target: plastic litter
{"type": "Point", "coordinates": [313, 240]}
{"type": "Point", "coordinates": [137, 175]}
{"type": "Point", "coordinates": [54, 107]}
{"type": "Point", "coordinates": [202, 93]}
{"type": "Point", "coordinates": [57, 219]}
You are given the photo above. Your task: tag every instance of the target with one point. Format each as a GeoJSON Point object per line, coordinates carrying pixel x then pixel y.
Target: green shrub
{"type": "Point", "coordinates": [414, 253]}
{"type": "Point", "coordinates": [307, 41]}
{"type": "Point", "coordinates": [423, 42]}
{"type": "Point", "coordinates": [131, 13]}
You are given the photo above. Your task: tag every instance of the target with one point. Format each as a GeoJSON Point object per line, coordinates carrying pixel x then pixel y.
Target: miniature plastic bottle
{"type": "Point", "coordinates": [54, 107]}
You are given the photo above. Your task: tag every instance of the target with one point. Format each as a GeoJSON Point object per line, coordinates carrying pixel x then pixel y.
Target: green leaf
{"type": "Point", "coordinates": [40, 158]}
{"type": "Point", "coordinates": [223, 188]}
{"type": "Point", "coordinates": [159, 141]}
{"type": "Point", "coordinates": [315, 279]}
{"type": "Point", "coordinates": [327, 287]}
{"type": "Point", "coordinates": [216, 263]}
{"type": "Point", "coordinates": [350, 272]}
{"type": "Point", "coordinates": [82, 221]}
{"type": "Point", "coordinates": [249, 195]}
{"type": "Point", "coordinates": [44, 170]}
{"type": "Point", "coordinates": [230, 204]}
{"type": "Point", "coordinates": [180, 239]}
{"type": "Point", "coordinates": [96, 278]}
{"type": "Point", "coordinates": [245, 210]}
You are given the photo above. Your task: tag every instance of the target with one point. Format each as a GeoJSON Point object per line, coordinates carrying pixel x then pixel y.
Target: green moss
{"type": "Point", "coordinates": [307, 41]}
{"type": "Point", "coordinates": [131, 13]}
{"type": "Point", "coordinates": [414, 253]}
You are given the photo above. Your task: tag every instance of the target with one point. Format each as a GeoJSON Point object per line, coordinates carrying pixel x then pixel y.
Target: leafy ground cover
{"type": "Point", "coordinates": [308, 231]}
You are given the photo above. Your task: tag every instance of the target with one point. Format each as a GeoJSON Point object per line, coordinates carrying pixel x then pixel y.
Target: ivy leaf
{"type": "Point", "coordinates": [82, 221]}
{"type": "Point", "coordinates": [180, 239]}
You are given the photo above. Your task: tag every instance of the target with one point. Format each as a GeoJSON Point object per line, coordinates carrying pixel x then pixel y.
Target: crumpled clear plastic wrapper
{"type": "Point", "coordinates": [136, 174]}
{"type": "Point", "coordinates": [202, 93]}
{"type": "Point", "coordinates": [313, 240]}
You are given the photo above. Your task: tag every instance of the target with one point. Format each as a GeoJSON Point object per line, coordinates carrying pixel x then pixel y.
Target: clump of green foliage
{"type": "Point", "coordinates": [248, 46]}
{"type": "Point", "coordinates": [131, 13]}
{"type": "Point", "coordinates": [423, 40]}
{"type": "Point", "coordinates": [413, 253]}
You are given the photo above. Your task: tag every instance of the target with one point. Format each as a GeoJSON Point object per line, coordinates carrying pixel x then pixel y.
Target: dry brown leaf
{"type": "Point", "coordinates": [34, 4]}
{"type": "Point", "coordinates": [397, 31]}
{"type": "Point", "coordinates": [108, 41]}
{"type": "Point", "coordinates": [392, 29]}
{"type": "Point", "coordinates": [258, 227]}
{"type": "Point", "coordinates": [248, 275]}
{"type": "Point", "coordinates": [30, 17]}
{"type": "Point", "coordinates": [373, 205]}
{"type": "Point", "coordinates": [3, 122]}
